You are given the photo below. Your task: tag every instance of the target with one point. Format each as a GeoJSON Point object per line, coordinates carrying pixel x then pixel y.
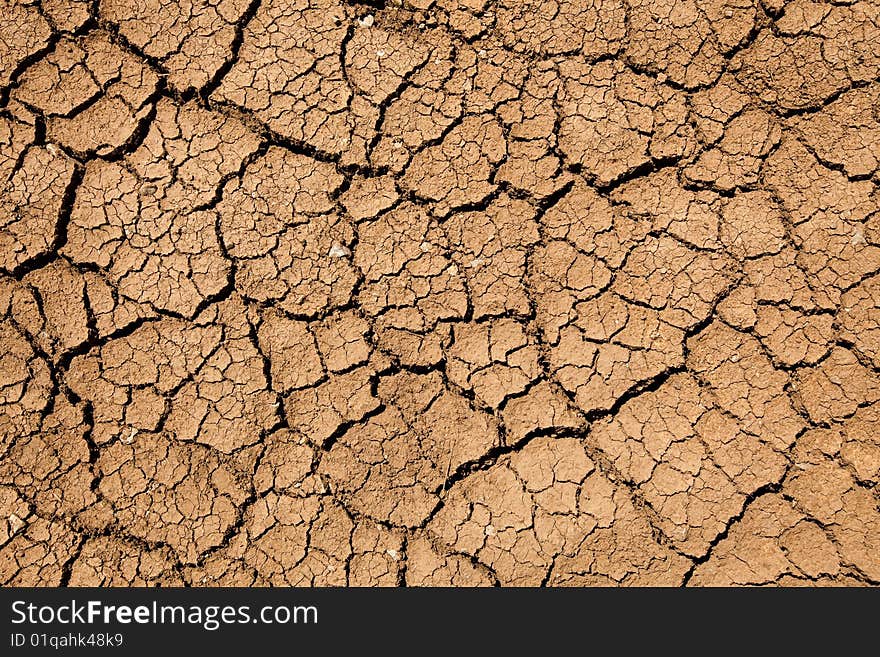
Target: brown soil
{"type": "Point", "coordinates": [439, 292]}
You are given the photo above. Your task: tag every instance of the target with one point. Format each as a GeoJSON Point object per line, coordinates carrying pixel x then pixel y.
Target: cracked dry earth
{"type": "Point", "coordinates": [452, 292]}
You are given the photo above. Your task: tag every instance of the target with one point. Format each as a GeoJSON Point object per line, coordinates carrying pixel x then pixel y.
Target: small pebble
{"type": "Point", "coordinates": [339, 251]}
{"type": "Point", "coordinates": [16, 524]}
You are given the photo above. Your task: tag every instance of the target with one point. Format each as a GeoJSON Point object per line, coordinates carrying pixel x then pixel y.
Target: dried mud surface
{"type": "Point", "coordinates": [439, 292]}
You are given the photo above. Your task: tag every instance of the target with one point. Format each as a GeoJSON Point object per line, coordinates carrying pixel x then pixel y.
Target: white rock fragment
{"type": "Point", "coordinates": [393, 554]}
{"type": "Point", "coordinates": [858, 238]}
{"type": "Point", "coordinates": [339, 251]}
{"type": "Point", "coordinates": [490, 530]}
{"type": "Point", "coordinates": [16, 524]}
{"type": "Point", "coordinates": [366, 21]}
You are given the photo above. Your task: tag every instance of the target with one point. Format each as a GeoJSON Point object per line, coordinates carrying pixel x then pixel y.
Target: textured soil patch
{"type": "Point", "coordinates": [439, 292]}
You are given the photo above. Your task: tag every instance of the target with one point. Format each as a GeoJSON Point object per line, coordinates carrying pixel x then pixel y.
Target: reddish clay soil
{"type": "Point", "coordinates": [439, 292]}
